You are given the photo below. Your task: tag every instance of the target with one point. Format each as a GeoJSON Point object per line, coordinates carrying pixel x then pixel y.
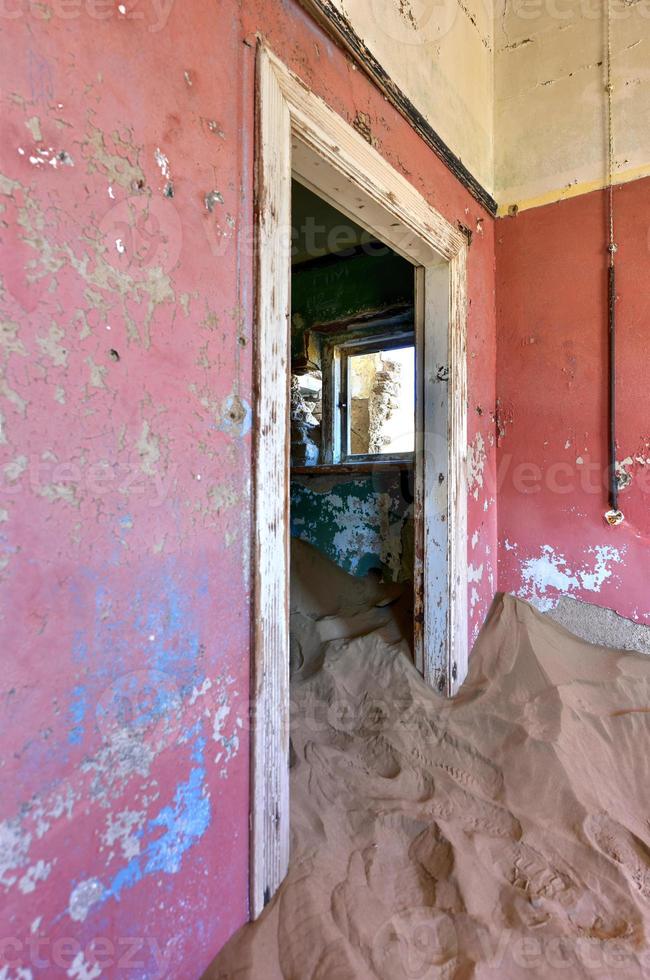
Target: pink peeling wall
{"type": "Point", "coordinates": [125, 407]}
{"type": "Point", "coordinates": [552, 385]}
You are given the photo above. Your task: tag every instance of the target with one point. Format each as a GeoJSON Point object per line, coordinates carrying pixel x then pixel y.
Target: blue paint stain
{"type": "Point", "coordinates": [198, 749]}
{"type": "Point", "coordinates": [77, 711]}
{"type": "Point", "coordinates": [79, 647]}
{"type": "Point", "coordinates": [162, 603]}
{"type": "Point", "coordinates": [169, 618]}
{"type": "Point", "coordinates": [183, 822]}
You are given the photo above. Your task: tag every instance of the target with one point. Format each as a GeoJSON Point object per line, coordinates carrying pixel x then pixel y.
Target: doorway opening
{"type": "Point", "coordinates": [353, 406]}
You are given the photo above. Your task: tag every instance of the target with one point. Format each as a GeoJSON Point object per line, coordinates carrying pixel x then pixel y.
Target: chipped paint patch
{"type": "Point", "coordinates": [125, 754]}
{"type": "Point", "coordinates": [236, 417]}
{"type": "Point", "coordinates": [229, 743]}
{"type": "Point", "coordinates": [15, 468]}
{"type": "Point", "coordinates": [33, 124]}
{"type": "Point", "coordinates": [221, 498]}
{"type": "Point", "coordinates": [38, 872]}
{"type": "Point", "coordinates": [51, 346]}
{"type": "Point", "coordinates": [55, 492]}
{"type": "Point", "coordinates": [476, 459]}
{"type": "Point", "coordinates": [14, 851]}
{"type": "Point", "coordinates": [22, 973]}
{"type": "Point", "coordinates": [80, 969]}
{"type": "Point", "coordinates": [211, 199]}
{"type": "Point", "coordinates": [201, 691]}
{"type": "Point", "coordinates": [549, 576]}
{"type": "Point", "coordinates": [122, 828]}
{"type": "Point", "coordinates": [182, 823]}
{"type": "Point", "coordinates": [163, 163]}
{"type": "Point", "coordinates": [118, 167]}
{"type": "Point", "coordinates": [97, 373]}
{"type": "Point", "coordinates": [83, 897]}
{"type": "Point", "coordinates": [628, 469]}
{"type": "Point", "coordinates": [148, 448]}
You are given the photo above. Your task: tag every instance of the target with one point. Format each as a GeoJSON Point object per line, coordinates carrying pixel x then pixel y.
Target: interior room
{"type": "Point", "coordinates": [324, 489]}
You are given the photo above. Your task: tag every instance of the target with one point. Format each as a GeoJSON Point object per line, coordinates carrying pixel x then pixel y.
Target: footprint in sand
{"type": "Point", "coordinates": [622, 847]}
{"type": "Point", "coordinates": [551, 892]}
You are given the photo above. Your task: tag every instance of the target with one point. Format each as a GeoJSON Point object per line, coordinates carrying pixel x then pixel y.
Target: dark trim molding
{"type": "Point", "coordinates": [337, 26]}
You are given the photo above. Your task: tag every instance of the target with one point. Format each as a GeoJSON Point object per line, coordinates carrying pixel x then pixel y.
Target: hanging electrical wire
{"type": "Point", "coordinates": [613, 516]}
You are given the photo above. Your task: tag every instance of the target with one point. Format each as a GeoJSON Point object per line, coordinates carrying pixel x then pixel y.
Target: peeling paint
{"type": "Point", "coordinates": [83, 897]}
{"type": "Point", "coordinates": [112, 788]}
{"type": "Point", "coordinates": [116, 167]}
{"type": "Point", "coordinates": [33, 124]}
{"type": "Point", "coordinates": [148, 448]}
{"type": "Point", "coordinates": [358, 525]}
{"type": "Point", "coordinates": [80, 969]}
{"type": "Point", "coordinates": [38, 872]}
{"type": "Point", "coordinates": [51, 346]}
{"type": "Point", "coordinates": [549, 575]}
{"type": "Point", "coordinates": [476, 458]}
{"type": "Point", "coordinates": [14, 851]}
{"type": "Point", "coordinates": [211, 199]}
{"type": "Point", "coordinates": [122, 829]}
{"type": "Point", "coordinates": [236, 416]}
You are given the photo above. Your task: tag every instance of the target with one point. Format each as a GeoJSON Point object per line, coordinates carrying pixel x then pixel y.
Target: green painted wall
{"type": "Point", "coordinates": [331, 291]}
{"type": "Point", "coordinates": [361, 523]}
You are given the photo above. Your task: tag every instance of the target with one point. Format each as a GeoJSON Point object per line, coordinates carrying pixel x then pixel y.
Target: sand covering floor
{"type": "Point", "coordinates": [504, 834]}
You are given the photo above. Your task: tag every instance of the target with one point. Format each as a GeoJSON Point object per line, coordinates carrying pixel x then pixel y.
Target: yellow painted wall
{"type": "Point", "coordinates": [440, 53]}
{"type": "Point", "coordinates": [550, 118]}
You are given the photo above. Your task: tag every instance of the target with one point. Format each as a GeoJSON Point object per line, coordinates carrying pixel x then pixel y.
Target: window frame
{"type": "Point", "coordinates": [374, 336]}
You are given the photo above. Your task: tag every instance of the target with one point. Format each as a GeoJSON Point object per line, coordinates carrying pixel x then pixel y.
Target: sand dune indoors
{"type": "Point", "coordinates": [501, 835]}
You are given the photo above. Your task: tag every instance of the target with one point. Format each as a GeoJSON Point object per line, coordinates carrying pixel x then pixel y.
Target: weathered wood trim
{"type": "Point", "coordinates": [269, 857]}
{"type": "Point", "coordinates": [419, 468]}
{"type": "Point", "coordinates": [458, 651]}
{"type": "Point", "coordinates": [331, 158]}
{"type": "Point", "coordinates": [436, 477]}
{"type": "Point", "coordinates": [445, 476]}
{"type": "Point", "coordinates": [336, 25]}
{"type": "Point", "coordinates": [355, 469]}
{"type": "Point", "coordinates": [298, 133]}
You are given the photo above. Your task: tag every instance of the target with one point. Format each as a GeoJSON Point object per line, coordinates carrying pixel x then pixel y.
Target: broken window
{"type": "Point", "coordinates": [368, 396]}
{"type": "Point", "coordinates": [378, 407]}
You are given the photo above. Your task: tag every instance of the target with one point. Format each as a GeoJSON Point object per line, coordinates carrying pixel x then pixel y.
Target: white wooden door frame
{"type": "Point", "coordinates": [299, 136]}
